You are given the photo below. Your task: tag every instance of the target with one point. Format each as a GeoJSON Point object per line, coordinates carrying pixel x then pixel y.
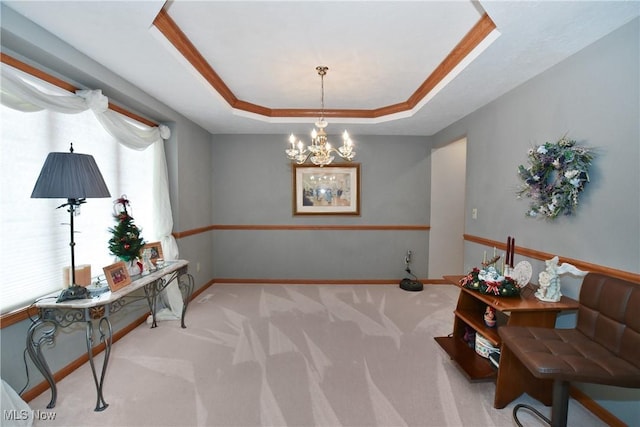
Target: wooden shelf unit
{"type": "Point", "coordinates": [522, 310]}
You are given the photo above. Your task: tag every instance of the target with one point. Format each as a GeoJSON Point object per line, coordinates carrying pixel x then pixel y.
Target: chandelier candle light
{"type": "Point", "coordinates": [320, 150]}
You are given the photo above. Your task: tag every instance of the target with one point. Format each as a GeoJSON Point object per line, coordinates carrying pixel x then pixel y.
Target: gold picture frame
{"type": "Point", "coordinates": [156, 251]}
{"type": "Point", "coordinates": [328, 190]}
{"type": "Point", "coordinates": [117, 275]}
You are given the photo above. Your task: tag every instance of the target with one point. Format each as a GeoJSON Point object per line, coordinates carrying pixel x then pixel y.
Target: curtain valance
{"type": "Point", "coordinates": [24, 92]}
{"type": "Point", "coordinates": [27, 93]}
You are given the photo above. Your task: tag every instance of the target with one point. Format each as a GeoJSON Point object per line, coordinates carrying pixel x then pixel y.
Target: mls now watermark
{"type": "Point", "coordinates": [22, 415]}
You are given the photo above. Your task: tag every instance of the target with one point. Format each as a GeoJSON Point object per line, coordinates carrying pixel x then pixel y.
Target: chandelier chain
{"type": "Point", "coordinates": [322, 71]}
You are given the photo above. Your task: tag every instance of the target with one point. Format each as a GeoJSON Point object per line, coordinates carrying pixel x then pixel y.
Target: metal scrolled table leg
{"type": "Point", "coordinates": [106, 335]}
{"type": "Point", "coordinates": [34, 348]}
{"type": "Point", "coordinates": [155, 292]}
{"type": "Point", "coordinates": [186, 285]}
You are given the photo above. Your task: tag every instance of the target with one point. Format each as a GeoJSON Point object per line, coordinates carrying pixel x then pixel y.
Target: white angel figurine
{"type": "Point", "coordinates": [549, 279]}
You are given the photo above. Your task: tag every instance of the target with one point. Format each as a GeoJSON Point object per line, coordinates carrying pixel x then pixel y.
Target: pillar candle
{"type": "Point", "coordinates": [512, 249]}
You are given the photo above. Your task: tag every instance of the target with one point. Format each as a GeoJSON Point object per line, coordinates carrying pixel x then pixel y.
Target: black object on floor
{"type": "Point", "coordinates": [411, 285]}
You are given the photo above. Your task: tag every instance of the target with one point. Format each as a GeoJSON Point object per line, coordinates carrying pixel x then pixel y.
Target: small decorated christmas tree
{"type": "Point", "coordinates": [126, 242]}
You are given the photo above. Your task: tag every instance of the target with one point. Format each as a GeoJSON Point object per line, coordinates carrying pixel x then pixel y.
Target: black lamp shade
{"type": "Point", "coordinates": [70, 176]}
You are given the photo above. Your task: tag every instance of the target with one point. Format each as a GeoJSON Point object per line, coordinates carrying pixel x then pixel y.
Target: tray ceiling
{"type": "Point", "coordinates": [395, 67]}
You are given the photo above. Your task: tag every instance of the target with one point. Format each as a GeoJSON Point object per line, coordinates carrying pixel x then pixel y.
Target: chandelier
{"type": "Point", "coordinates": [320, 150]}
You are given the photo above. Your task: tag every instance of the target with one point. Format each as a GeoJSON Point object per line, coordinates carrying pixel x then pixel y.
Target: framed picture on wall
{"type": "Point", "coordinates": [328, 190]}
{"type": "Point", "coordinates": [117, 276]}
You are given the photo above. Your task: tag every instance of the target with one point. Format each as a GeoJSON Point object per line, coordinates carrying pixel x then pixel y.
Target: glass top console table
{"type": "Point", "coordinates": [97, 310]}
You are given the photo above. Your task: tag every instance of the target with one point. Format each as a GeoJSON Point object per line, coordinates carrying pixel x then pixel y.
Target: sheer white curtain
{"type": "Point", "coordinates": [26, 93]}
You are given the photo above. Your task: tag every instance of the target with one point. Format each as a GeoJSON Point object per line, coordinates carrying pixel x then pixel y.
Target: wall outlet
{"type": "Point", "coordinates": [197, 267]}
{"type": "Point", "coordinates": [474, 213]}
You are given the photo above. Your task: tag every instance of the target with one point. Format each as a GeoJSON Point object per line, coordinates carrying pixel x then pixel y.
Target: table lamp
{"type": "Point", "coordinates": [74, 177]}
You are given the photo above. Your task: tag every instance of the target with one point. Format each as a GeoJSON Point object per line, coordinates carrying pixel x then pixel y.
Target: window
{"type": "Point", "coordinates": [34, 235]}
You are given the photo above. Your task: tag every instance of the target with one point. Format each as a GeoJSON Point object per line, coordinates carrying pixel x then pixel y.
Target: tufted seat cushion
{"type": "Point", "coordinates": [603, 348]}
{"type": "Point", "coordinates": [568, 355]}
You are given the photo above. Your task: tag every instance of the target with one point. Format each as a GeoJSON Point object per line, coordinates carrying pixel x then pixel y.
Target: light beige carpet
{"type": "Point", "coordinates": [286, 355]}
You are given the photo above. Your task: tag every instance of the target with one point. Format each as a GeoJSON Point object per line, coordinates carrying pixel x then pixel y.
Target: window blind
{"type": "Point", "coordinates": [34, 242]}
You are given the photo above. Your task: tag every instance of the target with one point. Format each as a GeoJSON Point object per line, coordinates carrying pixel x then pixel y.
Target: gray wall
{"type": "Point", "coordinates": [593, 97]}
{"type": "Point", "coordinates": [189, 165]}
{"type": "Point", "coordinates": [252, 185]}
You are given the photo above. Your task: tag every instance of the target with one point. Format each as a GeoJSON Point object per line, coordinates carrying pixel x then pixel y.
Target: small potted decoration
{"type": "Point", "coordinates": [126, 242]}
{"type": "Point", "coordinates": [490, 317]}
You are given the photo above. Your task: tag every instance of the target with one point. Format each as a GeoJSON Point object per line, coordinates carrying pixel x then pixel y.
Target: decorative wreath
{"type": "Point", "coordinates": [506, 287]}
{"type": "Point", "coordinates": [556, 175]}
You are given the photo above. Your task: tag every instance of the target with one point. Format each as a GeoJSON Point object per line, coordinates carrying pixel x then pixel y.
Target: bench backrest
{"type": "Point", "coordinates": [609, 314]}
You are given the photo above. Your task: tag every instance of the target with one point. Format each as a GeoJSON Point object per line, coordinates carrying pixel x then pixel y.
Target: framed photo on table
{"type": "Point", "coordinates": [156, 251]}
{"type": "Point", "coordinates": [328, 190]}
{"type": "Point", "coordinates": [117, 276]}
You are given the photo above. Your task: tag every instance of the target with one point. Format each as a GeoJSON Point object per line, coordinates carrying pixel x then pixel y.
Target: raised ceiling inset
{"type": "Point", "coordinates": [472, 40]}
